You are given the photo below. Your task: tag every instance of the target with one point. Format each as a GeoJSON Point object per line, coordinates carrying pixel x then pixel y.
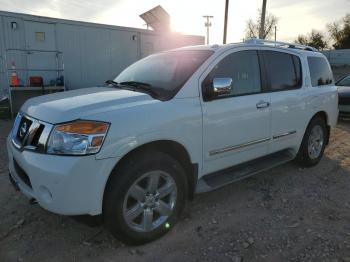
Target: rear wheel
{"type": "Point", "coordinates": [314, 143]}
{"type": "Point", "coordinates": [145, 197]}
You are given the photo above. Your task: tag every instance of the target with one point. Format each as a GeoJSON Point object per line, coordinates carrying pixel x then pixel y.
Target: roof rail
{"type": "Point", "coordinates": [256, 41]}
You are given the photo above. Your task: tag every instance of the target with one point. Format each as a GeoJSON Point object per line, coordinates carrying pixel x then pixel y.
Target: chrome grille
{"type": "Point", "coordinates": [30, 133]}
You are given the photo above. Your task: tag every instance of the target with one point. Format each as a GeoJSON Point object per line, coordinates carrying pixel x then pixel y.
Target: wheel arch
{"type": "Point", "coordinates": [173, 149]}
{"type": "Point", "coordinates": [324, 116]}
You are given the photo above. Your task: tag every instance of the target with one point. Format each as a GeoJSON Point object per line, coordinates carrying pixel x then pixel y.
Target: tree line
{"type": "Point", "coordinates": [339, 32]}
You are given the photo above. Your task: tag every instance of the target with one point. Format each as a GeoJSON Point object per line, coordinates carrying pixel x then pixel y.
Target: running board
{"type": "Point", "coordinates": [232, 174]}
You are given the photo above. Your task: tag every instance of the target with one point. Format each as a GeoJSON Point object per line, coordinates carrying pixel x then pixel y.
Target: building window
{"type": "Point", "coordinates": [40, 36]}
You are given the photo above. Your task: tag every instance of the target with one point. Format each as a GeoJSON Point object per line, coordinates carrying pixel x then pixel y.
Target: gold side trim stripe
{"type": "Point", "coordinates": [231, 148]}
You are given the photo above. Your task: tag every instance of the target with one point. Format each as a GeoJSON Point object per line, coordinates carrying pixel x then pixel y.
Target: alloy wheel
{"type": "Point", "coordinates": [150, 201]}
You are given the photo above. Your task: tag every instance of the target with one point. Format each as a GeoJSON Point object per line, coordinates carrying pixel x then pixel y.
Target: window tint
{"type": "Point", "coordinates": [320, 71]}
{"type": "Point", "coordinates": [283, 70]}
{"type": "Point", "coordinates": [243, 68]}
{"type": "Point", "coordinates": [298, 71]}
{"type": "Point", "coordinates": [344, 82]}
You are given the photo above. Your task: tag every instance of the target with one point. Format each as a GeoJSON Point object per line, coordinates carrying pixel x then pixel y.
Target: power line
{"type": "Point", "coordinates": [225, 21]}
{"type": "Point", "coordinates": [207, 25]}
{"type": "Point", "coordinates": [262, 20]}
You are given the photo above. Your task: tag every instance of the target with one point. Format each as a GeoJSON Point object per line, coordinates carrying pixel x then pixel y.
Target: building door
{"type": "Point", "coordinates": [40, 36]}
{"type": "Point", "coordinates": [149, 44]}
{"type": "Point", "coordinates": [41, 52]}
{"type": "Point", "coordinates": [3, 80]}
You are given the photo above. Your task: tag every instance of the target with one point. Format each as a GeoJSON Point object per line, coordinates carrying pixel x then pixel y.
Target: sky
{"type": "Point", "coordinates": [295, 16]}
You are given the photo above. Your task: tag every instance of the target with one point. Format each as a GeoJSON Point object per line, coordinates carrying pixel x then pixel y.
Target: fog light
{"type": "Point", "coordinates": [45, 194]}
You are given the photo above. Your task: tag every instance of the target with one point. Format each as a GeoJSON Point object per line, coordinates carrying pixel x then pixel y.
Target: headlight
{"type": "Point", "coordinates": [80, 137]}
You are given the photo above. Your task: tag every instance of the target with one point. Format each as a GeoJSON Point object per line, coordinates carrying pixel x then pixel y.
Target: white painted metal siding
{"type": "Point", "coordinates": [338, 57]}
{"type": "Point", "coordinates": [3, 82]}
{"type": "Point", "coordinates": [91, 53]}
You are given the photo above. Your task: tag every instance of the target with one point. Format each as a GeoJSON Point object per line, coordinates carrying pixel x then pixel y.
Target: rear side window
{"type": "Point", "coordinates": [320, 71]}
{"type": "Point", "coordinates": [283, 70]}
{"type": "Point", "coordinates": [243, 67]}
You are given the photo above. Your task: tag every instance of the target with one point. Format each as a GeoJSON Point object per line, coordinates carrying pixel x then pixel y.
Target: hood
{"type": "Point", "coordinates": [70, 105]}
{"type": "Point", "coordinates": [344, 91]}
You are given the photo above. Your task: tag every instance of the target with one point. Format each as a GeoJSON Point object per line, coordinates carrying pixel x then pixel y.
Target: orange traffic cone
{"type": "Point", "coordinates": [14, 77]}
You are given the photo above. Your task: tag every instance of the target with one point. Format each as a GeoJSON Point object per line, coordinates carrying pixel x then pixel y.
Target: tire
{"type": "Point", "coordinates": [123, 195]}
{"type": "Point", "coordinates": [310, 156]}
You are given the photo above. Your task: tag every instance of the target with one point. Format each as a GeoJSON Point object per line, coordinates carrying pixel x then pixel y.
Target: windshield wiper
{"type": "Point", "coordinates": [134, 83]}
{"type": "Point", "coordinates": [141, 86]}
{"type": "Point", "coordinates": [135, 86]}
{"type": "Point", "coordinates": [113, 83]}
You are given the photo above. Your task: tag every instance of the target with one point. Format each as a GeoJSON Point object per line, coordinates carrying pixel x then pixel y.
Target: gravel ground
{"type": "Point", "coordinates": [285, 214]}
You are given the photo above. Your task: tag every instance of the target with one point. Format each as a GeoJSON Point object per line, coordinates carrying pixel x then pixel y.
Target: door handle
{"type": "Point", "coordinates": [262, 104]}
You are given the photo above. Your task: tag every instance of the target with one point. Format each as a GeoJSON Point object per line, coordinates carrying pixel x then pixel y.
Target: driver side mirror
{"type": "Point", "coordinates": [222, 86]}
{"type": "Point", "coordinates": [216, 88]}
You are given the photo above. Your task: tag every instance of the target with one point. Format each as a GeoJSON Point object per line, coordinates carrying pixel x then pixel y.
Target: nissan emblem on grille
{"type": "Point", "coordinates": [23, 130]}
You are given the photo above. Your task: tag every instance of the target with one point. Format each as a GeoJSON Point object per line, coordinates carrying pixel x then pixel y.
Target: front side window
{"type": "Point", "coordinates": [320, 71]}
{"type": "Point", "coordinates": [243, 67]}
{"type": "Point", "coordinates": [283, 70]}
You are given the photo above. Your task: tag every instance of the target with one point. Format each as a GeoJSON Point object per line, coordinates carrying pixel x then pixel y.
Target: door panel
{"type": "Point", "coordinates": [287, 114]}
{"type": "Point", "coordinates": [236, 128]}
{"type": "Point", "coordinates": [234, 131]}
{"type": "Point", "coordinates": [285, 82]}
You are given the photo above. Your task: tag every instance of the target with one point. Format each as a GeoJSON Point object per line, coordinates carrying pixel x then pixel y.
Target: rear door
{"type": "Point", "coordinates": [236, 127]}
{"type": "Point", "coordinates": [288, 98]}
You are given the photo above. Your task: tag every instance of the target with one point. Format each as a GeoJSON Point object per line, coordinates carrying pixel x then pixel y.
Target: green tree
{"type": "Point", "coordinates": [253, 27]}
{"type": "Point", "coordinates": [302, 39]}
{"type": "Point", "coordinates": [340, 32]}
{"type": "Point", "coordinates": [315, 39]}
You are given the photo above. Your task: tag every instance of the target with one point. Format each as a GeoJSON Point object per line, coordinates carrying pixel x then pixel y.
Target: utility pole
{"type": "Point", "coordinates": [275, 33]}
{"type": "Point", "coordinates": [225, 22]}
{"type": "Point", "coordinates": [207, 25]}
{"type": "Point", "coordinates": [262, 20]}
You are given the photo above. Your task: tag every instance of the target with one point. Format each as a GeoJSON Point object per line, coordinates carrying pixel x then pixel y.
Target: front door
{"type": "Point", "coordinates": [42, 58]}
{"type": "Point", "coordinates": [236, 127]}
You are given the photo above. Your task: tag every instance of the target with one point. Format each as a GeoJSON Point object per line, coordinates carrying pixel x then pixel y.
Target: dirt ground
{"type": "Point", "coordinates": [285, 214]}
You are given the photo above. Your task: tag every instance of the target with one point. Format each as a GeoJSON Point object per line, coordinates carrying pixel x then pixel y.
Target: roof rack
{"type": "Point", "coordinates": [256, 41]}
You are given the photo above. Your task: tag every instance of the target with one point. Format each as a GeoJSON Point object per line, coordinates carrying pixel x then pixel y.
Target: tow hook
{"type": "Point", "coordinates": [33, 201]}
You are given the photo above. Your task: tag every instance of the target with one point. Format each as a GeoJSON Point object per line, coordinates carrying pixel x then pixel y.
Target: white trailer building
{"type": "Point", "coordinates": [86, 54]}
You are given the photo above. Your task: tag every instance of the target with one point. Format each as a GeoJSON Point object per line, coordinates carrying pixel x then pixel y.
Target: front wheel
{"type": "Point", "coordinates": [313, 144]}
{"type": "Point", "coordinates": [145, 197]}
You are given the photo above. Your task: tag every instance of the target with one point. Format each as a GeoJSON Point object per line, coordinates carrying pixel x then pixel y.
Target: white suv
{"type": "Point", "coordinates": [172, 124]}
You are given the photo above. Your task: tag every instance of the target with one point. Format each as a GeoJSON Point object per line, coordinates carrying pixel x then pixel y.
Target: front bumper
{"type": "Point", "coordinates": [67, 185]}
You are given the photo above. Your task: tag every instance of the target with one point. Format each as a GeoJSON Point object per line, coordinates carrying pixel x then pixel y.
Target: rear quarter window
{"type": "Point", "coordinates": [320, 71]}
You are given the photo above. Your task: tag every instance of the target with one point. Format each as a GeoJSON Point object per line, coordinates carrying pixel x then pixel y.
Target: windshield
{"type": "Point", "coordinates": [344, 82]}
{"type": "Point", "coordinates": [167, 72]}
